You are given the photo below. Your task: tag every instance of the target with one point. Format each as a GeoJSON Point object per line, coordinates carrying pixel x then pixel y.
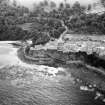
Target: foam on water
{"type": "Point", "coordinates": [41, 84]}
{"type": "Point", "coordinates": [9, 56]}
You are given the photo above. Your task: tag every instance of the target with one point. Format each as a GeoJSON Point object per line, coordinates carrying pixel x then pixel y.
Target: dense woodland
{"type": "Point", "coordinates": [45, 24]}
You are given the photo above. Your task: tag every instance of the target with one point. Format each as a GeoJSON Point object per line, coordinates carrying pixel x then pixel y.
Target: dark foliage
{"type": "Point", "coordinates": [47, 25]}
{"type": "Point", "coordinates": [103, 2]}
{"type": "Point", "coordinates": [8, 25]}
{"type": "Point", "coordinates": [40, 38]}
{"type": "Point", "coordinates": [87, 24]}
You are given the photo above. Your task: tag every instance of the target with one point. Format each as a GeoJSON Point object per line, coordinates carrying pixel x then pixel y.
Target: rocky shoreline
{"type": "Point", "coordinates": [78, 62]}
{"type": "Point", "coordinates": [82, 56]}
{"type": "Point", "coordinates": [88, 44]}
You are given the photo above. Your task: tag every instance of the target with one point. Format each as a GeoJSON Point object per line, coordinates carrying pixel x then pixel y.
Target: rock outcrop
{"type": "Point", "coordinates": [90, 44]}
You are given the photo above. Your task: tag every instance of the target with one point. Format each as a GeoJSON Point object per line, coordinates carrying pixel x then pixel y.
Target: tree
{"type": "Point", "coordinates": [103, 2]}
{"type": "Point", "coordinates": [76, 5]}
{"type": "Point", "coordinates": [52, 4]}
{"type": "Point", "coordinates": [67, 5]}
{"type": "Point", "coordinates": [61, 6]}
{"type": "Point", "coordinates": [14, 3]}
{"type": "Point", "coordinates": [40, 38]}
{"type": "Point", "coordinates": [77, 8]}
{"type": "Point", "coordinates": [61, 29]}
{"type": "Point", "coordinates": [55, 33]}
{"type": "Point", "coordinates": [46, 3]}
{"type": "Point", "coordinates": [89, 7]}
{"type": "Point", "coordinates": [41, 4]}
